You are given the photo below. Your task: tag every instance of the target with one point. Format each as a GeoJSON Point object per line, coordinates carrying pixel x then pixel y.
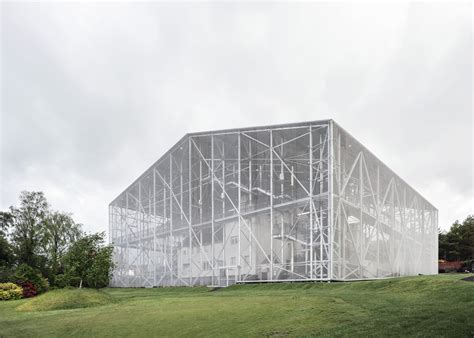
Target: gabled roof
{"type": "Point", "coordinates": [221, 131]}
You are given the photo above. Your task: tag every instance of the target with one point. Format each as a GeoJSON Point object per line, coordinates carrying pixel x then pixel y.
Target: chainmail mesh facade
{"type": "Point", "coordinates": [278, 203]}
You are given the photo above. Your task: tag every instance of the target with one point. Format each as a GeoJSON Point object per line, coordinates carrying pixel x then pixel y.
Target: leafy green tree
{"type": "Point", "coordinates": [6, 250]}
{"type": "Point", "coordinates": [6, 220]}
{"type": "Point", "coordinates": [100, 272]}
{"type": "Point", "coordinates": [28, 222]}
{"type": "Point", "coordinates": [60, 231]}
{"type": "Point", "coordinates": [458, 242]}
{"type": "Point", "coordinates": [465, 233]}
{"type": "Point", "coordinates": [90, 260]}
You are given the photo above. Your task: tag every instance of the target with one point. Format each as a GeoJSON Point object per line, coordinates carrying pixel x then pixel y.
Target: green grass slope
{"type": "Point", "coordinates": [417, 306]}
{"type": "Point", "coordinates": [66, 299]}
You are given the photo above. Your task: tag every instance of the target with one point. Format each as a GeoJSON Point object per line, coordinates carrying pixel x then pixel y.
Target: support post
{"type": "Point", "coordinates": [190, 199]}
{"type": "Point", "coordinates": [378, 221]}
{"type": "Point", "coordinates": [361, 223]}
{"type": "Point", "coordinates": [171, 240]}
{"type": "Point", "coordinates": [213, 260]}
{"type": "Point", "coordinates": [239, 207]}
{"type": "Point", "coordinates": [154, 227]}
{"type": "Point", "coordinates": [320, 218]}
{"type": "Point", "coordinates": [311, 209]}
{"type": "Point", "coordinates": [271, 204]}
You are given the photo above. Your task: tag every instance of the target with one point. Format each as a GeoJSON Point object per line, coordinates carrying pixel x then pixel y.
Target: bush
{"type": "Point", "coordinates": [74, 281]}
{"type": "Point", "coordinates": [29, 289]}
{"type": "Point", "coordinates": [27, 274]}
{"type": "Point", "coordinates": [61, 281]}
{"type": "Point", "coordinates": [6, 274]}
{"type": "Point", "coordinates": [10, 291]}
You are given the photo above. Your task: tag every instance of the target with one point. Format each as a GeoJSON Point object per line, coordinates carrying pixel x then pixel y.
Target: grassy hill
{"type": "Point", "coordinates": [418, 306]}
{"type": "Point", "coordinates": [67, 299]}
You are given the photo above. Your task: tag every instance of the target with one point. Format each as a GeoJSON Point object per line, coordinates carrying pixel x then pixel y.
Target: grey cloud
{"type": "Point", "coordinates": [92, 94]}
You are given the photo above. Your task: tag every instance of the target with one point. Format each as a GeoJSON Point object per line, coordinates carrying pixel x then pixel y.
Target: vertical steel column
{"type": "Point", "coordinates": [311, 209]}
{"type": "Point", "coordinates": [378, 221]}
{"type": "Point", "coordinates": [171, 240]}
{"type": "Point", "coordinates": [110, 224]}
{"type": "Point", "coordinates": [361, 196]}
{"type": "Point", "coordinates": [250, 204]}
{"type": "Point", "coordinates": [148, 225]}
{"type": "Point", "coordinates": [154, 227]}
{"type": "Point", "coordinates": [331, 225]}
{"type": "Point", "coordinates": [250, 172]}
{"type": "Point", "coordinates": [139, 220]}
{"type": "Point", "coordinates": [223, 182]}
{"type": "Point", "coordinates": [344, 223]}
{"type": "Point", "coordinates": [331, 208]}
{"type": "Point", "coordinates": [127, 225]}
{"type": "Point", "coordinates": [200, 191]}
{"type": "Point", "coordinates": [181, 187]}
{"type": "Point", "coordinates": [404, 220]}
{"type": "Point", "coordinates": [271, 204]}
{"type": "Point", "coordinates": [392, 225]}
{"type": "Point", "coordinates": [110, 236]}
{"type": "Point", "coordinates": [321, 232]}
{"type": "Point", "coordinates": [239, 208]}
{"type": "Point", "coordinates": [190, 210]}
{"type": "Point", "coordinates": [164, 256]}
{"type": "Point", "coordinates": [213, 260]}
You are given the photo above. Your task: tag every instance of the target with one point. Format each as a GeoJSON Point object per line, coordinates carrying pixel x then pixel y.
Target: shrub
{"type": "Point", "coordinates": [74, 281]}
{"type": "Point", "coordinates": [25, 273]}
{"type": "Point", "coordinates": [29, 289]}
{"type": "Point", "coordinates": [62, 280]}
{"type": "Point", "coordinates": [6, 274]}
{"type": "Point", "coordinates": [10, 291]}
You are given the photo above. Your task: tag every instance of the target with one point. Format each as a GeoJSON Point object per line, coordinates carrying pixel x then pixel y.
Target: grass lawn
{"type": "Point", "coordinates": [425, 306]}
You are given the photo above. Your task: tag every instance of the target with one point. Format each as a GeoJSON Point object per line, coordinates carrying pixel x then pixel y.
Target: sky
{"type": "Point", "coordinates": [93, 94]}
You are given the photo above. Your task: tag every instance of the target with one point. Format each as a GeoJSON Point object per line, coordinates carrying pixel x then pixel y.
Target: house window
{"type": "Point", "coordinates": [186, 267]}
{"type": "Point", "coordinates": [233, 261]}
{"type": "Point", "coordinates": [234, 240]}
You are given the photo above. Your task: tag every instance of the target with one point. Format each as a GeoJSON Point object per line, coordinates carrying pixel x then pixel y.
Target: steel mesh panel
{"type": "Point", "coordinates": [382, 227]}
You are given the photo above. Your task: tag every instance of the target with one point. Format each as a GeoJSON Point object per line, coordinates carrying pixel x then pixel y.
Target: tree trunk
{"type": "Point", "coordinates": [80, 284]}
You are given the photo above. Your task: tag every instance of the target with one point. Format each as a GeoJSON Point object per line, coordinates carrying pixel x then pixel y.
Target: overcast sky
{"type": "Point", "coordinates": [92, 95]}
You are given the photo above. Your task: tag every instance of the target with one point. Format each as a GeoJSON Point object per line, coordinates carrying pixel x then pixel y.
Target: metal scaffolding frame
{"type": "Point", "coordinates": [279, 203]}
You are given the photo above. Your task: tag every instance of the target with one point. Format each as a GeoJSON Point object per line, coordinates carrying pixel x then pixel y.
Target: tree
{"type": "Point", "coordinates": [28, 222]}
{"type": "Point", "coordinates": [6, 220]}
{"type": "Point", "coordinates": [6, 251]}
{"type": "Point", "coordinates": [90, 260]}
{"type": "Point", "coordinates": [60, 232]}
{"type": "Point", "coordinates": [458, 242]}
{"type": "Point", "coordinates": [465, 234]}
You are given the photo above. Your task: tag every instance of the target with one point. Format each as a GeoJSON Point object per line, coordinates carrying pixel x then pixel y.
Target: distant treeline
{"type": "Point", "coordinates": [41, 247]}
{"type": "Point", "coordinates": [458, 243]}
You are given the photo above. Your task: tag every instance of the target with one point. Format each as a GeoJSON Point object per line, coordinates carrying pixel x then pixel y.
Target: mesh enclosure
{"type": "Point", "coordinates": [382, 227]}
{"type": "Point", "coordinates": [290, 202]}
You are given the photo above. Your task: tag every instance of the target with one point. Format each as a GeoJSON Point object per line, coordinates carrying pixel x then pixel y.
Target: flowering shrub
{"type": "Point", "coordinates": [10, 291]}
{"type": "Point", "coordinates": [29, 290]}
{"type": "Point", "coordinates": [25, 273]}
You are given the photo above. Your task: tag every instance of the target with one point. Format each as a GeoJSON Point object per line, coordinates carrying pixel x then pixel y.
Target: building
{"type": "Point", "coordinates": [290, 202]}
